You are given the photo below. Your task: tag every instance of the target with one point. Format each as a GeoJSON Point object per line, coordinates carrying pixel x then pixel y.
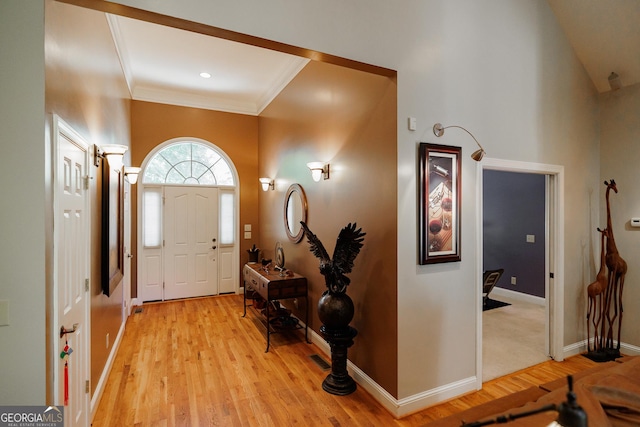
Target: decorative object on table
{"type": "Point", "coordinates": [253, 253]}
{"type": "Point", "coordinates": [604, 349]}
{"type": "Point", "coordinates": [335, 307]}
{"type": "Point", "coordinates": [279, 256]}
{"type": "Point", "coordinates": [439, 203]}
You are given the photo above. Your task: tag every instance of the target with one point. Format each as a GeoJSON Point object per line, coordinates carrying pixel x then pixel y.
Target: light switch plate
{"type": "Point", "coordinates": [247, 227]}
{"type": "Point", "coordinates": [247, 235]}
{"type": "Point", "coordinates": [412, 123]}
{"type": "Point", "coordinates": [531, 238]}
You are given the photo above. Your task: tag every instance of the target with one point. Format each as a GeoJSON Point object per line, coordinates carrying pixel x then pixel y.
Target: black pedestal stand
{"type": "Point", "coordinates": [338, 381]}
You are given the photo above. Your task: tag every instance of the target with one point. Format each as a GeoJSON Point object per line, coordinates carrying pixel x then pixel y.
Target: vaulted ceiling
{"type": "Point", "coordinates": [605, 35]}
{"type": "Point", "coordinates": [163, 64]}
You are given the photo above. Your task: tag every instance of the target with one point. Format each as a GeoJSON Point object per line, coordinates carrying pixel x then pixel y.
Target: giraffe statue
{"type": "Point", "coordinates": [595, 293]}
{"type": "Point", "coordinates": [617, 270]}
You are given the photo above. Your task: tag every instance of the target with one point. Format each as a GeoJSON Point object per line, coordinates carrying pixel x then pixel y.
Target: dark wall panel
{"type": "Point", "coordinates": [514, 207]}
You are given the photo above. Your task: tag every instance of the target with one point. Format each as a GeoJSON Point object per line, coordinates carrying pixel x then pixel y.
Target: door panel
{"type": "Point", "coordinates": [227, 269]}
{"type": "Point", "coordinates": [150, 275]}
{"type": "Point", "coordinates": [190, 251]}
{"type": "Point", "coordinates": [71, 270]}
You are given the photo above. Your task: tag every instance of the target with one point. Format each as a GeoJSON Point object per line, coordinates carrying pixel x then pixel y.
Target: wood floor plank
{"type": "Point", "coordinates": [198, 362]}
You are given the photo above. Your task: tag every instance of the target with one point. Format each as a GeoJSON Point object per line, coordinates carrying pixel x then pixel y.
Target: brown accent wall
{"type": "Point", "coordinates": [235, 134]}
{"type": "Point", "coordinates": [348, 118]}
{"type": "Point", "coordinates": [85, 87]}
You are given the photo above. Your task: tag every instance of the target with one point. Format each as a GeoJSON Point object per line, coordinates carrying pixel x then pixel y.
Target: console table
{"type": "Point", "coordinates": [271, 286]}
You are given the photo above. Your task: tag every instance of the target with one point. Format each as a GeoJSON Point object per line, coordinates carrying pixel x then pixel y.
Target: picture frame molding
{"type": "Point", "coordinates": [429, 155]}
{"type": "Point", "coordinates": [112, 256]}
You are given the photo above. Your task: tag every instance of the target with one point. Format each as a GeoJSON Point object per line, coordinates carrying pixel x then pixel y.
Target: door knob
{"type": "Point", "coordinates": [64, 331]}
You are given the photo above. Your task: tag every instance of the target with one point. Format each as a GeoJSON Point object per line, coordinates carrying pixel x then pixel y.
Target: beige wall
{"type": "Point", "coordinates": [235, 134]}
{"type": "Point", "coordinates": [95, 102]}
{"type": "Point", "coordinates": [345, 117]}
{"type": "Point", "coordinates": [620, 153]}
{"type": "Point", "coordinates": [26, 226]}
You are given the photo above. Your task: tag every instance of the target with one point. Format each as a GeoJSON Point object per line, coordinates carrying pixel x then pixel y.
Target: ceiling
{"type": "Point", "coordinates": [162, 64]}
{"type": "Point", "coordinates": [605, 35]}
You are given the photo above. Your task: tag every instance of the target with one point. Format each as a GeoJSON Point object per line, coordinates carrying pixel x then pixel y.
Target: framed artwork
{"type": "Point", "coordinates": [112, 228]}
{"type": "Point", "coordinates": [439, 203]}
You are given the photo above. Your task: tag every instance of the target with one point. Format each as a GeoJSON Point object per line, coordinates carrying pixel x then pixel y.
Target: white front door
{"type": "Point", "coordinates": [71, 261]}
{"type": "Point", "coordinates": [191, 242]}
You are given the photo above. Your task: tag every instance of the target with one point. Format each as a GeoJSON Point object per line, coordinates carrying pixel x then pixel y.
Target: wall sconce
{"type": "Point", "coordinates": [131, 173]}
{"type": "Point", "coordinates": [114, 154]}
{"type": "Point", "coordinates": [267, 183]}
{"type": "Point", "coordinates": [438, 130]}
{"type": "Point", "coordinates": [318, 170]}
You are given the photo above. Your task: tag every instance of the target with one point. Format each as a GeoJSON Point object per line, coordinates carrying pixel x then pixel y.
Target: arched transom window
{"type": "Point", "coordinates": [189, 163]}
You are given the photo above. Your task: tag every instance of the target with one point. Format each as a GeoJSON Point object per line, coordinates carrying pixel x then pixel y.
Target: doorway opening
{"type": "Point", "coordinates": [187, 234]}
{"type": "Point", "coordinates": [545, 302]}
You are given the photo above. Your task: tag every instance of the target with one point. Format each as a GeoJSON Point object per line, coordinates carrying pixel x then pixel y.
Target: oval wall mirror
{"type": "Point", "coordinates": [295, 210]}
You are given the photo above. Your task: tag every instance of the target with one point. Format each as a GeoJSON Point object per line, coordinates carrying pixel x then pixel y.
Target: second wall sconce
{"type": "Point", "coordinates": [318, 170]}
{"type": "Point", "coordinates": [131, 173]}
{"type": "Point", "coordinates": [114, 154]}
{"type": "Point", "coordinates": [438, 130]}
{"type": "Point", "coordinates": [267, 183]}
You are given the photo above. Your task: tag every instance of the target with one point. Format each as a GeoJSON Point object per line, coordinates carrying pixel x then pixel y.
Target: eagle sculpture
{"type": "Point", "coordinates": [347, 248]}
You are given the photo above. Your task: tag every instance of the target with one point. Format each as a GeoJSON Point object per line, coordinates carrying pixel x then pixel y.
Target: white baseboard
{"type": "Point", "coordinates": [518, 296]}
{"type": "Point", "coordinates": [97, 395]}
{"type": "Point", "coordinates": [407, 405]}
{"type": "Point", "coordinates": [581, 347]}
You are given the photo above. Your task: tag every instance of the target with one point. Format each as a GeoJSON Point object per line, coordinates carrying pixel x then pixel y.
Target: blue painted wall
{"type": "Point", "coordinates": [513, 207]}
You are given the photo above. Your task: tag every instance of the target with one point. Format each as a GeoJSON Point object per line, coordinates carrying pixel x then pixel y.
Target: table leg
{"type": "Point", "coordinates": [268, 326]}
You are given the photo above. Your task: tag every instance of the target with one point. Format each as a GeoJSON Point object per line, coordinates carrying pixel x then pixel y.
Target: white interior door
{"type": "Point", "coordinates": [71, 274]}
{"type": "Point", "coordinates": [191, 242]}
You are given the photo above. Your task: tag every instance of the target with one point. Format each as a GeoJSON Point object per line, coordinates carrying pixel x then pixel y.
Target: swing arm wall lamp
{"type": "Point", "coordinates": [438, 130]}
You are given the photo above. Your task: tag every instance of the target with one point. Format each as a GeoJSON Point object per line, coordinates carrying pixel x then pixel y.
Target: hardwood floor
{"type": "Point", "coordinates": [198, 362]}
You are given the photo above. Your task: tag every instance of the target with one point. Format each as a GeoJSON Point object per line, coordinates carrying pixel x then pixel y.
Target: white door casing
{"type": "Point", "coordinates": [71, 271]}
{"type": "Point", "coordinates": [159, 167]}
{"type": "Point", "coordinates": [191, 242]}
{"type": "Point", "coordinates": [554, 242]}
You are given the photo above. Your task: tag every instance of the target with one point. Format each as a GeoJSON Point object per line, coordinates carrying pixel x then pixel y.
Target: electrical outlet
{"type": "Point", "coordinates": [513, 280]}
{"type": "Point", "coordinates": [531, 238]}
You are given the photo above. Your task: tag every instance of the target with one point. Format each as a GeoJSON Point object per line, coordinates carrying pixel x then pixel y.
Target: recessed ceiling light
{"type": "Point", "coordinates": [205, 75]}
